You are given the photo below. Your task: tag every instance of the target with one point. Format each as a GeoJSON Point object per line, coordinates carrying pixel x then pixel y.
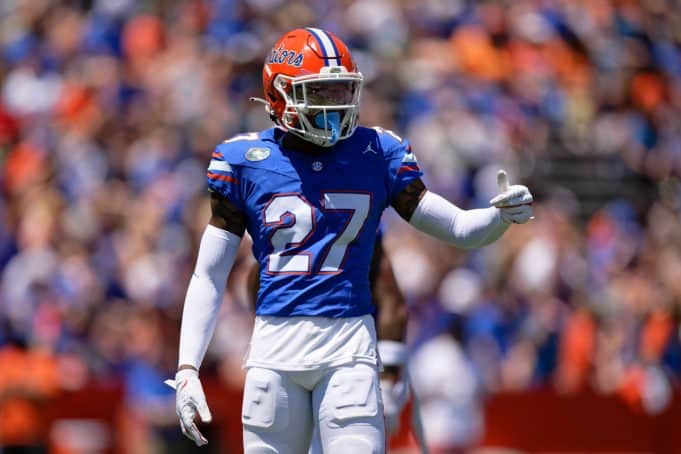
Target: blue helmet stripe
{"type": "Point", "coordinates": [326, 45]}
{"type": "Point", "coordinates": [321, 46]}
{"type": "Point", "coordinates": [335, 49]}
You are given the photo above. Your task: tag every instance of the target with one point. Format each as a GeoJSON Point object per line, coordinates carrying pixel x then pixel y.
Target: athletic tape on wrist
{"type": "Point", "coordinates": [186, 373]}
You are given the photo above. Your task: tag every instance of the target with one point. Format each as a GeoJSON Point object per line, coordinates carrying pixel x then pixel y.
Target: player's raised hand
{"type": "Point", "coordinates": [189, 402]}
{"type": "Point", "coordinates": [514, 202]}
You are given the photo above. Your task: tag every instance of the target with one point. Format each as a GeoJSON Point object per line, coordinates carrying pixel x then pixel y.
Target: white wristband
{"type": "Point", "coordinates": [392, 353]}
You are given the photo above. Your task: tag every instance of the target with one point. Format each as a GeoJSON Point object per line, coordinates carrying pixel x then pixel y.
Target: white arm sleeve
{"type": "Point", "coordinates": [466, 229]}
{"type": "Point", "coordinates": [217, 251]}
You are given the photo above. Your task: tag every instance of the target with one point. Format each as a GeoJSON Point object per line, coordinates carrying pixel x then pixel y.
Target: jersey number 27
{"type": "Point", "coordinates": [293, 219]}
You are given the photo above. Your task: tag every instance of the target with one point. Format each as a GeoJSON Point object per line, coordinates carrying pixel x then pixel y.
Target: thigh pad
{"type": "Point", "coordinates": [352, 394]}
{"type": "Point", "coordinates": [264, 404]}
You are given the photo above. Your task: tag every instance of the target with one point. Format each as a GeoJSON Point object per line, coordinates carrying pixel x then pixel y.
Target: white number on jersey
{"type": "Point", "coordinates": [289, 232]}
{"type": "Point", "coordinates": [294, 222]}
{"type": "Point", "coordinates": [358, 205]}
{"type": "Point", "coordinates": [244, 136]}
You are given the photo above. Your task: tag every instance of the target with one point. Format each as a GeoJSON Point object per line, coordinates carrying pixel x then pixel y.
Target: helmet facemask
{"type": "Point", "coordinates": [321, 108]}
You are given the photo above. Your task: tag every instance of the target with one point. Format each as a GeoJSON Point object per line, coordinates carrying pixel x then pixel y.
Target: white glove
{"type": "Point", "coordinates": [395, 396]}
{"type": "Point", "coordinates": [514, 202]}
{"type": "Point", "coordinates": [189, 401]}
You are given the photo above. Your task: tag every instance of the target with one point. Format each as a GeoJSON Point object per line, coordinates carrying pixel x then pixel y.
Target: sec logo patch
{"type": "Point", "coordinates": [257, 153]}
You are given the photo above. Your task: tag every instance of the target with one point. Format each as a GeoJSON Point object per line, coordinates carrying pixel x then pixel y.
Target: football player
{"type": "Point", "coordinates": [311, 191]}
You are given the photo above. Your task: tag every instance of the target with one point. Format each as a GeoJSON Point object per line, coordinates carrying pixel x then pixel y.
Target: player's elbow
{"type": "Point", "coordinates": [464, 240]}
{"type": "Point", "coordinates": [401, 315]}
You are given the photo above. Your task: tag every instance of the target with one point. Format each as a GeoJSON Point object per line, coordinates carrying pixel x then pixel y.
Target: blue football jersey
{"type": "Point", "coordinates": [313, 218]}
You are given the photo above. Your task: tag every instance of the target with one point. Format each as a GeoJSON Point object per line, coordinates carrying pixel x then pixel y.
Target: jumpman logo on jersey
{"type": "Point", "coordinates": [369, 149]}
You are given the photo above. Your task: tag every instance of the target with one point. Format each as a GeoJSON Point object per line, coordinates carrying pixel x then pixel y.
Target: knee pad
{"type": "Point", "coordinates": [260, 449]}
{"type": "Point", "coordinates": [352, 394]}
{"type": "Point", "coordinates": [264, 405]}
{"type": "Point", "coordinates": [345, 444]}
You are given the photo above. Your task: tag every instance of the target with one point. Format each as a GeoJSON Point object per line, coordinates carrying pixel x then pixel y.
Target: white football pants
{"type": "Point", "coordinates": [280, 409]}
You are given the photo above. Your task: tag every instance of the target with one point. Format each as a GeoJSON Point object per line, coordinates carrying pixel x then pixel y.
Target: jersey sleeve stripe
{"type": "Point", "coordinates": [222, 166]}
{"type": "Point", "coordinates": [408, 167]}
{"type": "Point", "coordinates": [227, 178]}
{"type": "Point", "coordinates": [217, 156]}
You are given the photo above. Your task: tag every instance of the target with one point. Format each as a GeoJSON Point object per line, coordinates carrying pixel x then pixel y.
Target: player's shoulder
{"type": "Point", "coordinates": [384, 141]}
{"type": "Point", "coordinates": [248, 148]}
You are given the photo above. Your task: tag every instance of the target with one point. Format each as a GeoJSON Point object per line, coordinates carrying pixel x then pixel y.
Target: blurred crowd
{"type": "Point", "coordinates": [109, 111]}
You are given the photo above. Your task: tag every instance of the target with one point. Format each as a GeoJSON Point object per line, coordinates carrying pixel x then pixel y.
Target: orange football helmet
{"type": "Point", "coordinates": [312, 86]}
